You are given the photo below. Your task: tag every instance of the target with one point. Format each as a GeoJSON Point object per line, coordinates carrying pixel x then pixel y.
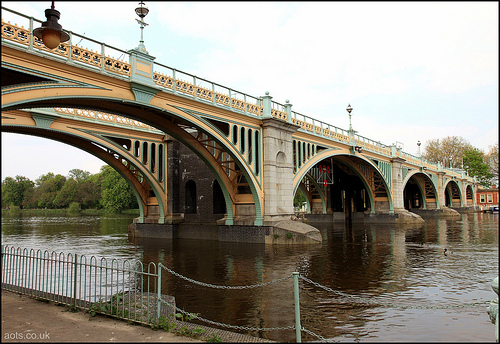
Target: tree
{"type": "Point", "coordinates": [67, 194]}
{"type": "Point", "coordinates": [48, 188]}
{"type": "Point", "coordinates": [448, 150]}
{"type": "Point", "coordinates": [476, 166]}
{"type": "Point", "coordinates": [89, 193]}
{"type": "Point", "coordinates": [14, 191]}
{"type": "Point", "coordinates": [79, 175]}
{"type": "Point", "coordinates": [116, 194]}
{"type": "Point", "coordinates": [491, 159]}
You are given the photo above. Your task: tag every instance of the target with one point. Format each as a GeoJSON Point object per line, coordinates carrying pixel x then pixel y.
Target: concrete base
{"type": "Point", "coordinates": [400, 216]}
{"type": "Point", "coordinates": [471, 209]}
{"type": "Point", "coordinates": [152, 230]}
{"type": "Point", "coordinates": [407, 217]}
{"type": "Point", "coordinates": [284, 232]}
{"type": "Point", "coordinates": [448, 212]}
{"type": "Point", "coordinates": [293, 232]}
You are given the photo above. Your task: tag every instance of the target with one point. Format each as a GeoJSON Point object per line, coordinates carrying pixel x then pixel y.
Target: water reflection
{"type": "Point", "coordinates": [387, 263]}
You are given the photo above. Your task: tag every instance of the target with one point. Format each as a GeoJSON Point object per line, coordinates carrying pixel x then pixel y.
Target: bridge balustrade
{"type": "Point", "coordinates": [99, 116]}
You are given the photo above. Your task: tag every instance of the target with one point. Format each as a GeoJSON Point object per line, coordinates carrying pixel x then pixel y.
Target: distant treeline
{"type": "Point", "coordinates": [105, 190]}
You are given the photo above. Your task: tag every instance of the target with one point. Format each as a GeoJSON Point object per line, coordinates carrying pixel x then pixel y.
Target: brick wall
{"type": "Point", "coordinates": [191, 168]}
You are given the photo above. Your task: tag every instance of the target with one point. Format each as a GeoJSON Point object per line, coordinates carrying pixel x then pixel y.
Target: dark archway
{"type": "Point", "coordinates": [412, 195]}
{"type": "Point", "coordinates": [218, 201]}
{"type": "Point", "coordinates": [190, 197]}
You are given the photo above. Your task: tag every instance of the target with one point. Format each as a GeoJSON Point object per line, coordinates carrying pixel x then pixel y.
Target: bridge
{"type": "Point", "coordinates": [126, 110]}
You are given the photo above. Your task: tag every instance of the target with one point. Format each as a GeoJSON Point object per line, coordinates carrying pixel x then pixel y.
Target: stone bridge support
{"type": "Point", "coordinates": [441, 189]}
{"type": "Point", "coordinates": [397, 184]}
{"type": "Point", "coordinates": [277, 171]}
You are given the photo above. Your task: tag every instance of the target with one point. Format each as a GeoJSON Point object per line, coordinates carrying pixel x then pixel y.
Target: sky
{"type": "Point", "coordinates": [412, 71]}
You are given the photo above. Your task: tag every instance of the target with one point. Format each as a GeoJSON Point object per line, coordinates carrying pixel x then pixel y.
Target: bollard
{"type": "Point", "coordinates": [75, 280]}
{"type": "Point", "coordinates": [492, 309]}
{"type": "Point", "coordinates": [158, 295]}
{"type": "Point", "coordinates": [298, 327]}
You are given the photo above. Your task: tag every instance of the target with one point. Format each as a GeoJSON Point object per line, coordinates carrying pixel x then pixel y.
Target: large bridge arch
{"type": "Point", "coordinates": [168, 117]}
{"type": "Point", "coordinates": [359, 164]}
{"type": "Point", "coordinates": [427, 188]}
{"type": "Point", "coordinates": [113, 157]}
{"type": "Point", "coordinates": [453, 194]}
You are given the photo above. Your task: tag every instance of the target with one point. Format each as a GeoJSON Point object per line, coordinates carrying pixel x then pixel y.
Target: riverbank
{"type": "Point", "coordinates": [64, 211]}
{"type": "Point", "coordinates": [28, 320]}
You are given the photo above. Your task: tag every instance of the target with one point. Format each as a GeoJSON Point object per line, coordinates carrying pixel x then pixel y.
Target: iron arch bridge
{"type": "Point", "coordinates": [125, 111]}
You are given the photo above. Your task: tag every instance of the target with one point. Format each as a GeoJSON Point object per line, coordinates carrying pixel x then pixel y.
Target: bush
{"type": "Point", "coordinates": [74, 208]}
{"type": "Point", "coordinates": [14, 209]}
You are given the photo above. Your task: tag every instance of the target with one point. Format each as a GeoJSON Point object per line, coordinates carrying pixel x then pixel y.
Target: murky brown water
{"type": "Point", "coordinates": [383, 263]}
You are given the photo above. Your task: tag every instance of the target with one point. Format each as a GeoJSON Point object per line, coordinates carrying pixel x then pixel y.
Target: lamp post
{"type": "Point", "coordinates": [349, 110]}
{"type": "Point", "coordinates": [51, 32]}
{"type": "Point", "coordinates": [418, 150]}
{"type": "Point", "coordinates": [142, 11]}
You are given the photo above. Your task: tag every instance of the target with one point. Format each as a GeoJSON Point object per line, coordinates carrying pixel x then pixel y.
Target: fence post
{"type": "Point", "coordinates": [298, 327]}
{"type": "Point", "coordinates": [74, 280]}
{"type": "Point", "coordinates": [158, 294]}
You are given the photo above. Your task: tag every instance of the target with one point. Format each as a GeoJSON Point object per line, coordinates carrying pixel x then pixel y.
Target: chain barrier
{"type": "Point", "coordinates": [390, 304]}
{"type": "Point", "coordinates": [292, 327]}
{"type": "Point", "coordinates": [311, 333]}
{"type": "Point", "coordinates": [224, 286]}
{"type": "Point", "coordinates": [236, 327]}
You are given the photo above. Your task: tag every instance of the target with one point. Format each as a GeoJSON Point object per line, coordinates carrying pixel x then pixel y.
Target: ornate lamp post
{"type": "Point", "coordinates": [349, 109]}
{"type": "Point", "coordinates": [418, 151]}
{"type": "Point", "coordinates": [142, 11]}
{"type": "Point", "coordinates": [51, 32]}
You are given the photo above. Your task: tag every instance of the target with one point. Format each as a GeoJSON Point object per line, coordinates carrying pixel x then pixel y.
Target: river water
{"type": "Point", "coordinates": [384, 263]}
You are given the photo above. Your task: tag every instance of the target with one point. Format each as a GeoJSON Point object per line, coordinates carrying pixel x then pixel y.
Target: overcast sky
{"type": "Point", "coordinates": [412, 71]}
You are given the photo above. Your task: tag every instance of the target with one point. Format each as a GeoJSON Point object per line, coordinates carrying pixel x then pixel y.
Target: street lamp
{"type": "Point", "coordinates": [349, 109]}
{"type": "Point", "coordinates": [51, 32]}
{"type": "Point", "coordinates": [418, 151]}
{"type": "Point", "coordinates": [142, 11]}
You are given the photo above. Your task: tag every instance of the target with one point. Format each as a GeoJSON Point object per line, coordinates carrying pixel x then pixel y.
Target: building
{"type": "Point", "coordinates": [487, 198]}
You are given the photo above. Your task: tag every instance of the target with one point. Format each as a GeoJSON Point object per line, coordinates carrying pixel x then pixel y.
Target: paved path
{"type": "Point", "coordinates": [29, 320]}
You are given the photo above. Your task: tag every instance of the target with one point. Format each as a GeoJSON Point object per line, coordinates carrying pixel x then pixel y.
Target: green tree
{"type": "Point", "coordinates": [476, 165]}
{"type": "Point", "coordinates": [89, 193]}
{"type": "Point", "coordinates": [492, 159]}
{"type": "Point", "coordinates": [14, 191]}
{"type": "Point", "coordinates": [299, 199]}
{"type": "Point", "coordinates": [116, 194]}
{"type": "Point", "coordinates": [67, 194]}
{"type": "Point", "coordinates": [48, 187]}
{"type": "Point", "coordinates": [448, 150]}
{"type": "Point", "coordinates": [79, 175]}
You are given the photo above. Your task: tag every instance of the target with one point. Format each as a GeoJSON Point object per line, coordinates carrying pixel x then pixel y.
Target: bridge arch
{"type": "Point", "coordinates": [364, 168]}
{"type": "Point", "coordinates": [114, 156]}
{"type": "Point", "coordinates": [168, 117]}
{"type": "Point", "coordinates": [453, 194]}
{"type": "Point", "coordinates": [427, 189]}
{"type": "Point", "coordinates": [470, 196]}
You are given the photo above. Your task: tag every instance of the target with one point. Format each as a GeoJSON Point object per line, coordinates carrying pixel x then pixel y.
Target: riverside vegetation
{"type": "Point", "coordinates": [80, 192]}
